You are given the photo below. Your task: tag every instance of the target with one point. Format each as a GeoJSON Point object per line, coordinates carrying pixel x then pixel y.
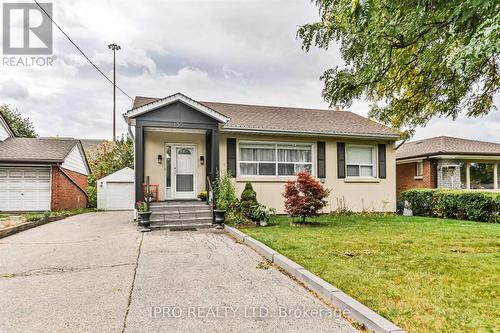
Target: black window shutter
{"type": "Point", "coordinates": [382, 161]}
{"type": "Point", "coordinates": [340, 160]}
{"type": "Point", "coordinates": [321, 159]}
{"type": "Point", "coordinates": [231, 156]}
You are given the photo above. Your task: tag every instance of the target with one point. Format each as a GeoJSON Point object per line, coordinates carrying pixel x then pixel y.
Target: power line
{"type": "Point", "coordinates": [80, 50]}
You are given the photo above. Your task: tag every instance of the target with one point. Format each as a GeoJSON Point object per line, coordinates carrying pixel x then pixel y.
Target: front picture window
{"type": "Point", "coordinates": [274, 159]}
{"type": "Point", "coordinates": [359, 161]}
{"type": "Point", "coordinates": [293, 159]}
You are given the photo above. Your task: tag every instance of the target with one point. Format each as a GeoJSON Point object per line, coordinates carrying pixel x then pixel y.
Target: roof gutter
{"type": "Point", "coordinates": [302, 133]}
{"type": "Point", "coordinates": [483, 157]}
{"type": "Point", "coordinates": [20, 161]}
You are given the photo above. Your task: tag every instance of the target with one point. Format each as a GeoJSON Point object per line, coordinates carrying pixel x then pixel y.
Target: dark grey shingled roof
{"type": "Point", "coordinates": [290, 119]}
{"type": "Point", "coordinates": [445, 145]}
{"type": "Point", "coordinates": [36, 150]}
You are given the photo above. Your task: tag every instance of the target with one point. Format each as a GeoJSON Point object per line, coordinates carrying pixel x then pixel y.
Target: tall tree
{"type": "Point", "coordinates": [415, 59]}
{"type": "Point", "coordinates": [21, 126]}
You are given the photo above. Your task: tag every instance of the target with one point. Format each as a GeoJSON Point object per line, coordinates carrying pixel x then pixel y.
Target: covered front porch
{"type": "Point", "coordinates": [177, 162]}
{"type": "Point", "coordinates": [176, 147]}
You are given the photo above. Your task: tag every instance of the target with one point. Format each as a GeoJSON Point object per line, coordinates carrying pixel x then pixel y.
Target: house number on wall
{"type": "Point", "coordinates": [178, 124]}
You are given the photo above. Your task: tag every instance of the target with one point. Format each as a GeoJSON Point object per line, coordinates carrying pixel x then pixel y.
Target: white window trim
{"type": "Point", "coordinates": [421, 174]}
{"type": "Point", "coordinates": [373, 165]}
{"type": "Point", "coordinates": [276, 162]}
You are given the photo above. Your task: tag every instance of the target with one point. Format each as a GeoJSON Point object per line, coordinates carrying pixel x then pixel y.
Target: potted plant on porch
{"type": "Point", "coordinates": [225, 196]}
{"type": "Point", "coordinates": [144, 214]}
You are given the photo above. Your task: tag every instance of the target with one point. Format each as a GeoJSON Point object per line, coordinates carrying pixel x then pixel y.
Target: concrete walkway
{"type": "Point", "coordinates": [95, 272]}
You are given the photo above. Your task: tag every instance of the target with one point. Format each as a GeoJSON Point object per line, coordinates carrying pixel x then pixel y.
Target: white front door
{"type": "Point", "coordinates": [181, 160]}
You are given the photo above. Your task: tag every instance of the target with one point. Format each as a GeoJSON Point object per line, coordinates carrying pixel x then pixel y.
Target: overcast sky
{"type": "Point", "coordinates": [242, 51]}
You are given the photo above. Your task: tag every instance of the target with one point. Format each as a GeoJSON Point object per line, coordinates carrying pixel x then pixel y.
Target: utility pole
{"type": "Point", "coordinates": [115, 47]}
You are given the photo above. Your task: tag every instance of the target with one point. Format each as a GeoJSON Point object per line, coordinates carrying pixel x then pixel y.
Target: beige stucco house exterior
{"type": "Point", "coordinates": [181, 144]}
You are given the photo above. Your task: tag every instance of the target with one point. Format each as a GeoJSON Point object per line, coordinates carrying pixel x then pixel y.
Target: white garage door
{"type": "Point", "coordinates": [119, 196]}
{"type": "Point", "coordinates": [24, 189]}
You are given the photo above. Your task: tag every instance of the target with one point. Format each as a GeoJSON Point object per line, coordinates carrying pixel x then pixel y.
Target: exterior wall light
{"type": "Point", "coordinates": [160, 159]}
{"type": "Point", "coordinates": [202, 160]}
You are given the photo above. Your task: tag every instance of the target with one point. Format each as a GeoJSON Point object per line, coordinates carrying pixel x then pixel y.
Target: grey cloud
{"type": "Point", "coordinates": [12, 90]}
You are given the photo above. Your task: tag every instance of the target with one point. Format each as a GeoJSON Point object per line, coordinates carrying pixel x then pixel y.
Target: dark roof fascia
{"type": "Point", "coordinates": [429, 155]}
{"type": "Point", "coordinates": [30, 161]}
{"type": "Point", "coordinates": [245, 130]}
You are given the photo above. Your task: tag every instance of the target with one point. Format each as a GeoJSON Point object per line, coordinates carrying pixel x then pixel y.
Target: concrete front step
{"type": "Point", "coordinates": [186, 211]}
{"type": "Point", "coordinates": [164, 204]}
{"type": "Point", "coordinates": [178, 208]}
{"type": "Point", "coordinates": [181, 226]}
{"type": "Point", "coordinates": [184, 216]}
{"type": "Point", "coordinates": [201, 219]}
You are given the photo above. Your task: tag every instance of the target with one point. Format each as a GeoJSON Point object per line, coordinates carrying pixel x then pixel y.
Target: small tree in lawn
{"type": "Point", "coordinates": [305, 196]}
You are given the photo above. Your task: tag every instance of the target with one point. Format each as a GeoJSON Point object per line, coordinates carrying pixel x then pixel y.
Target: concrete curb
{"type": "Point", "coordinates": [357, 311]}
{"type": "Point", "coordinates": [28, 225]}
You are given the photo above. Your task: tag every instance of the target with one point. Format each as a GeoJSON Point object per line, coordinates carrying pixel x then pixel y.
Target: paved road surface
{"type": "Point", "coordinates": [95, 272]}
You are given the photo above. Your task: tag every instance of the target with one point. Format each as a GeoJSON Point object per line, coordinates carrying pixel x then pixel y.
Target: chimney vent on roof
{"type": "Point", "coordinates": [337, 108]}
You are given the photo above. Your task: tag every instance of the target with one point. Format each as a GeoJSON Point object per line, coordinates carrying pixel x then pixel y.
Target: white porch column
{"type": "Point", "coordinates": [495, 176]}
{"type": "Point", "coordinates": [467, 176]}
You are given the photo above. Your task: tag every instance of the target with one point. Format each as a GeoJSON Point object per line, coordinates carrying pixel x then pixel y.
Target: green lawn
{"type": "Point", "coordinates": [424, 274]}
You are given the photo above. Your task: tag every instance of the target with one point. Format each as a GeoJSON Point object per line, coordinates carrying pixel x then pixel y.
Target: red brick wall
{"type": "Point", "coordinates": [65, 194]}
{"type": "Point", "coordinates": [405, 176]}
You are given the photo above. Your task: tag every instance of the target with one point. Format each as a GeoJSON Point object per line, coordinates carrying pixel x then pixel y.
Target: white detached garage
{"type": "Point", "coordinates": [116, 191]}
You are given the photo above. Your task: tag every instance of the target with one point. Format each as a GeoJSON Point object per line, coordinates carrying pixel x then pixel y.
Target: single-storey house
{"type": "Point", "coordinates": [448, 162]}
{"type": "Point", "coordinates": [41, 174]}
{"type": "Point", "coordinates": [181, 142]}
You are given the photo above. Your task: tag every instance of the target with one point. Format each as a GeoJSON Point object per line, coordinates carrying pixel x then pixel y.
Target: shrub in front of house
{"type": "Point", "coordinates": [305, 196]}
{"type": "Point", "coordinates": [464, 205]}
{"type": "Point", "coordinates": [420, 201]}
{"type": "Point", "coordinates": [248, 200]}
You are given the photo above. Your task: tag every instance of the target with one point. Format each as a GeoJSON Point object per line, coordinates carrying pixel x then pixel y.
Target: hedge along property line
{"type": "Point", "coordinates": [464, 205]}
{"type": "Point", "coordinates": [357, 311]}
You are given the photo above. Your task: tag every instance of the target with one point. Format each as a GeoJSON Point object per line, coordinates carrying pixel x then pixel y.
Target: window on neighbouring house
{"type": "Point", "coordinates": [482, 176]}
{"type": "Point", "coordinates": [360, 161]}
{"type": "Point", "coordinates": [498, 176]}
{"type": "Point", "coordinates": [463, 176]}
{"type": "Point", "coordinates": [271, 159]}
{"type": "Point", "coordinates": [419, 169]}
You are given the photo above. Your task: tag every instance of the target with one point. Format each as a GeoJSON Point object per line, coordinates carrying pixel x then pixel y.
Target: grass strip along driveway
{"type": "Point", "coordinates": [424, 274]}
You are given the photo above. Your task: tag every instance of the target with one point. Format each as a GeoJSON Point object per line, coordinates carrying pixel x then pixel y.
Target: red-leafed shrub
{"type": "Point", "coordinates": [305, 196]}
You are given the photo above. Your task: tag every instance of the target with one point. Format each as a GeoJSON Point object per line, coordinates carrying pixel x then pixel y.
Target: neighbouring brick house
{"type": "Point", "coordinates": [447, 162]}
{"type": "Point", "coordinates": [41, 174]}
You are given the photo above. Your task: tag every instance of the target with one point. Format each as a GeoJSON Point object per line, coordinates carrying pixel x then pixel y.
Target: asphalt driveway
{"type": "Point", "coordinates": [95, 272]}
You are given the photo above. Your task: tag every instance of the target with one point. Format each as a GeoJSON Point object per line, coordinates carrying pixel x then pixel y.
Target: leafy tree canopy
{"type": "Point", "coordinates": [21, 126]}
{"type": "Point", "coordinates": [415, 59]}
